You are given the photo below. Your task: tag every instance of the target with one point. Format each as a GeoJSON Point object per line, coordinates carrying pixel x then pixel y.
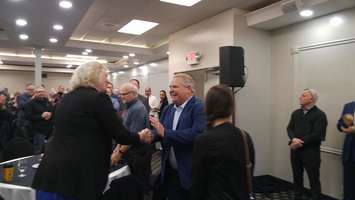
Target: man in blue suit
{"type": "Point", "coordinates": [348, 150]}
{"type": "Point", "coordinates": [181, 122]}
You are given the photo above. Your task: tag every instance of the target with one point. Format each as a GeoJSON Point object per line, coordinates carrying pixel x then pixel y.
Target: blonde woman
{"type": "Point", "coordinates": [76, 162]}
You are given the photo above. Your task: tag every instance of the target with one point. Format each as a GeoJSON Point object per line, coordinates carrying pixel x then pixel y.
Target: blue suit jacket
{"type": "Point", "coordinates": [191, 123]}
{"type": "Point", "coordinates": [349, 142]}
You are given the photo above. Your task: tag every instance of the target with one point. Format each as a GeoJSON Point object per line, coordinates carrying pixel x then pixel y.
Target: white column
{"type": "Point", "coordinates": [38, 67]}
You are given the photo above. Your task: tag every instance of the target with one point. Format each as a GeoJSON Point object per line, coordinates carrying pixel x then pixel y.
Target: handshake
{"type": "Point", "coordinates": [145, 136]}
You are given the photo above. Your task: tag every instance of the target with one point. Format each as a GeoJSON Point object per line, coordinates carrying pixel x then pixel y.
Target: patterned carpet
{"type": "Point", "coordinates": [268, 187]}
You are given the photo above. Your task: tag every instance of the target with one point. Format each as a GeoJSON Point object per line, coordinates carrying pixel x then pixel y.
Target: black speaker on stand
{"type": "Point", "coordinates": [231, 69]}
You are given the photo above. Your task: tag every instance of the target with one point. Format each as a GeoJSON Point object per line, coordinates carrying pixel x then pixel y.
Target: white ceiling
{"type": "Point", "coordinates": [94, 23]}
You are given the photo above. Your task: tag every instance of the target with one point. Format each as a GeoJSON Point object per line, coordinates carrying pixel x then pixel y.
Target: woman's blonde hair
{"type": "Point", "coordinates": [87, 74]}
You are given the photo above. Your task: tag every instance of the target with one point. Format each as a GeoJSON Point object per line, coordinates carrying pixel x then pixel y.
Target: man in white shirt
{"type": "Point", "coordinates": [153, 102]}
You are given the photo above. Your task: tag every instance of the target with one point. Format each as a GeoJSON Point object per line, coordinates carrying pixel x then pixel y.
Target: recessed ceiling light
{"type": "Point", "coordinates": [153, 64]}
{"type": "Point", "coordinates": [125, 66]}
{"type": "Point", "coordinates": [132, 54]}
{"type": "Point", "coordinates": [57, 27]}
{"type": "Point", "coordinates": [306, 13]}
{"type": "Point", "coordinates": [182, 2]}
{"type": "Point", "coordinates": [168, 52]}
{"type": "Point", "coordinates": [23, 37]}
{"type": "Point", "coordinates": [69, 66]}
{"type": "Point", "coordinates": [125, 56]}
{"type": "Point", "coordinates": [21, 22]}
{"type": "Point", "coordinates": [121, 72]}
{"type": "Point", "coordinates": [137, 27]}
{"type": "Point", "coordinates": [1, 62]}
{"type": "Point", "coordinates": [85, 53]}
{"type": "Point", "coordinates": [88, 50]}
{"type": "Point", "coordinates": [336, 21]}
{"type": "Point", "coordinates": [66, 4]}
{"type": "Point", "coordinates": [136, 63]}
{"type": "Point", "coordinates": [143, 67]}
{"type": "Point", "coordinates": [53, 40]}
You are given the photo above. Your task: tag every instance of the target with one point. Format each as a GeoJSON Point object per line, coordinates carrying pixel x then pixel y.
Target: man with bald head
{"type": "Point", "coordinates": [179, 125]}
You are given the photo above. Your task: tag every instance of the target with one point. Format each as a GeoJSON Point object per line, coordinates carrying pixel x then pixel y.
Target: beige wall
{"type": "Point", "coordinates": [284, 96]}
{"type": "Point", "coordinates": [16, 80]}
{"type": "Point", "coordinates": [253, 101]}
{"type": "Point", "coordinates": [206, 36]}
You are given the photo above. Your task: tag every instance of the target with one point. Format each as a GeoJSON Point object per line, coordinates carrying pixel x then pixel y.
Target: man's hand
{"type": "Point", "coordinates": [46, 115]}
{"type": "Point", "coordinates": [157, 125]}
{"type": "Point", "coordinates": [349, 130]}
{"type": "Point", "coordinates": [145, 136]}
{"type": "Point", "coordinates": [296, 143]}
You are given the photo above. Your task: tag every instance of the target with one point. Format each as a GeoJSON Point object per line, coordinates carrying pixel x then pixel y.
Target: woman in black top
{"type": "Point", "coordinates": [218, 162]}
{"type": "Point", "coordinates": [163, 102]}
{"type": "Point", "coordinates": [76, 161]}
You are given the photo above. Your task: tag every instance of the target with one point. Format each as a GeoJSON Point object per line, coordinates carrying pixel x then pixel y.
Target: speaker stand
{"type": "Point", "coordinates": [234, 106]}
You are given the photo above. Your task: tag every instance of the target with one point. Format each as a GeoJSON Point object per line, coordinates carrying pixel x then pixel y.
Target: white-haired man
{"type": "Point", "coordinates": [135, 118]}
{"type": "Point", "coordinates": [306, 131]}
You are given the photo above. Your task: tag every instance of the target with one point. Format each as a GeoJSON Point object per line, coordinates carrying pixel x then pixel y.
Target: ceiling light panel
{"type": "Point", "coordinates": [137, 27]}
{"type": "Point", "coordinates": [182, 2]}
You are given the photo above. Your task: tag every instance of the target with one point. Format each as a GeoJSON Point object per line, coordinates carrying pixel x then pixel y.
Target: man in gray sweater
{"type": "Point", "coordinates": [135, 119]}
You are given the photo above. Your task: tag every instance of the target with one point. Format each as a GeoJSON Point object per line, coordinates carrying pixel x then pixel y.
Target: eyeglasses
{"type": "Point", "coordinates": [123, 94]}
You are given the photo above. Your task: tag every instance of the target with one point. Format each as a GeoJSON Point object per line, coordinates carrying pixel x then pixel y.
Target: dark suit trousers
{"type": "Point", "coordinates": [349, 180]}
{"type": "Point", "coordinates": [139, 164]}
{"type": "Point", "coordinates": [308, 159]}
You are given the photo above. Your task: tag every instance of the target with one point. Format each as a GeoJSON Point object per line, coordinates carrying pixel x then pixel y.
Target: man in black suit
{"type": "Point", "coordinates": [306, 131]}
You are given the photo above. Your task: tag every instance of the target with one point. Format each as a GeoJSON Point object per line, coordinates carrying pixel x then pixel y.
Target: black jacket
{"type": "Point", "coordinates": [310, 127]}
{"type": "Point", "coordinates": [219, 164]}
{"type": "Point", "coordinates": [33, 113]}
{"type": "Point", "coordinates": [77, 159]}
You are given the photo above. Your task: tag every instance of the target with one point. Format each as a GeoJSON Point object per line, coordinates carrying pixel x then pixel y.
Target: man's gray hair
{"type": "Point", "coordinates": [130, 87]}
{"type": "Point", "coordinates": [314, 94]}
{"type": "Point", "coordinates": [187, 80]}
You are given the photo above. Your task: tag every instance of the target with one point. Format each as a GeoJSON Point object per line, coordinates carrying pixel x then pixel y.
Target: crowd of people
{"type": "Point", "coordinates": [204, 156]}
